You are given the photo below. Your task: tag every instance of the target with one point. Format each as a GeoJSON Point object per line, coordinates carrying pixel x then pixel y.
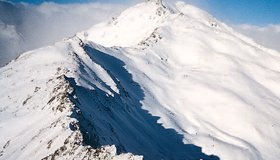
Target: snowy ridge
{"type": "Point", "coordinates": [159, 82]}
{"type": "Point", "coordinates": [37, 119]}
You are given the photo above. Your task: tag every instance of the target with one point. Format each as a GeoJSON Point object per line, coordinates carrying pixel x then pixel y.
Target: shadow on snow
{"type": "Point", "coordinates": [120, 119]}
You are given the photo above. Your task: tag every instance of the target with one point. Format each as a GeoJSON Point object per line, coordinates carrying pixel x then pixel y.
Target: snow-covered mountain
{"type": "Point", "coordinates": [158, 81]}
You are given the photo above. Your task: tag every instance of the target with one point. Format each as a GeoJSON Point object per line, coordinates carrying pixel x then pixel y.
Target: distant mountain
{"type": "Point", "coordinates": [162, 81]}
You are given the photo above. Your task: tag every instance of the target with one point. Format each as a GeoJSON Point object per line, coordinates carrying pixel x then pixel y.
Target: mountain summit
{"type": "Point", "coordinates": [156, 82]}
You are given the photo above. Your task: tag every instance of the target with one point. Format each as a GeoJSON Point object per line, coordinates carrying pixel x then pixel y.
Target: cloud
{"type": "Point", "coordinates": [25, 26]}
{"type": "Point", "coordinates": [268, 36]}
{"type": "Point", "coordinates": [9, 42]}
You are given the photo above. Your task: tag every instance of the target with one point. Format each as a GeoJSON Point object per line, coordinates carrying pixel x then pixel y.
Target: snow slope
{"type": "Point", "coordinates": [165, 82]}
{"type": "Point", "coordinates": [37, 108]}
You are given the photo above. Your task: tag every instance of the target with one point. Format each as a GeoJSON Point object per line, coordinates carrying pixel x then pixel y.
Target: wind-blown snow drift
{"type": "Point", "coordinates": [159, 81]}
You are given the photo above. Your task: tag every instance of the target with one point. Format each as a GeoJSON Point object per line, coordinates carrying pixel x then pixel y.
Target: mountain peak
{"type": "Point", "coordinates": [130, 27]}
{"type": "Point", "coordinates": [158, 2]}
{"type": "Point", "coordinates": [151, 82]}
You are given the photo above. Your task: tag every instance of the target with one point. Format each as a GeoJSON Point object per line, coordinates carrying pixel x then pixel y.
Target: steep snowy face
{"type": "Point", "coordinates": [162, 81]}
{"type": "Point", "coordinates": [213, 85]}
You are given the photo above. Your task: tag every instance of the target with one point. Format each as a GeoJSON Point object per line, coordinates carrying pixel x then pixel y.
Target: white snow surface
{"type": "Point", "coordinates": [159, 81]}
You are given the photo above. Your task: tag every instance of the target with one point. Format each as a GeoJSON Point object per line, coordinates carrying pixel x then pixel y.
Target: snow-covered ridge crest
{"type": "Point", "coordinates": [181, 86]}
{"type": "Point", "coordinates": [80, 110]}
{"type": "Point", "coordinates": [37, 112]}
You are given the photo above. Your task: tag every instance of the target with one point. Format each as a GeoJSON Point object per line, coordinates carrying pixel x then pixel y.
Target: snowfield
{"type": "Point", "coordinates": [156, 82]}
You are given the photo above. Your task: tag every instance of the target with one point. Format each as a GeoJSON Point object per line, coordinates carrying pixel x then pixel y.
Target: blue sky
{"type": "Point", "coordinates": [71, 1]}
{"type": "Point", "coordinates": [256, 12]}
